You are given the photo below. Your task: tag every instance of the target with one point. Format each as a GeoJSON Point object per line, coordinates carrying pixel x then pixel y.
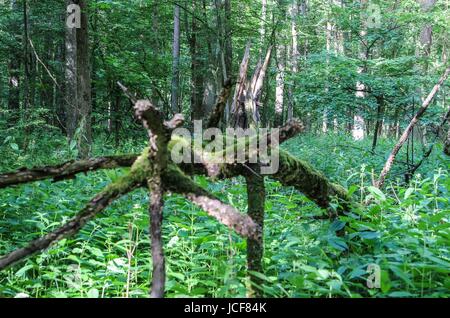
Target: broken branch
{"type": "Point", "coordinates": [64, 171]}
{"type": "Point", "coordinates": [177, 182]}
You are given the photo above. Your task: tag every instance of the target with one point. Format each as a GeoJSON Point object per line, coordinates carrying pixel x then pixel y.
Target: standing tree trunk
{"type": "Point", "coordinates": [176, 61]}
{"type": "Point", "coordinates": [228, 41]}
{"type": "Point", "coordinates": [378, 125]}
{"type": "Point", "coordinates": [95, 41]}
{"type": "Point", "coordinates": [329, 40]}
{"type": "Point", "coordinates": [196, 70]}
{"type": "Point", "coordinates": [14, 69]}
{"type": "Point", "coordinates": [294, 57]}
{"type": "Point", "coordinates": [358, 121]}
{"type": "Point", "coordinates": [279, 90]}
{"type": "Point", "coordinates": [71, 78]}
{"type": "Point", "coordinates": [78, 81]}
{"type": "Point", "coordinates": [84, 98]}
{"type": "Point", "coordinates": [226, 54]}
{"type": "Point", "coordinates": [426, 35]}
{"type": "Point", "coordinates": [14, 86]}
{"type": "Point", "coordinates": [26, 60]}
{"type": "Point", "coordinates": [256, 196]}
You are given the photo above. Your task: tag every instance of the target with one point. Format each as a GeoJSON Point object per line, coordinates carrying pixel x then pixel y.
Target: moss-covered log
{"type": "Point", "coordinates": [292, 172]}
{"type": "Point", "coordinates": [312, 183]}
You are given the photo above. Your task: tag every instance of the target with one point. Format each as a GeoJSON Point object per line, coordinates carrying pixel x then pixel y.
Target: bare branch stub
{"type": "Point", "coordinates": [127, 93]}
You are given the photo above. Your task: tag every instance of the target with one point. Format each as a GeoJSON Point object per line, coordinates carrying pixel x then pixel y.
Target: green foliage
{"type": "Point", "coordinates": [404, 230]}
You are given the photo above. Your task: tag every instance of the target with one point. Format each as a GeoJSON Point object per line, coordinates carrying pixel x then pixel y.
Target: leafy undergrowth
{"type": "Point", "coordinates": [404, 230]}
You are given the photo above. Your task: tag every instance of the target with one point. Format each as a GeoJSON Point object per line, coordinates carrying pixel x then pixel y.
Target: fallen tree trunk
{"type": "Point", "coordinates": [154, 169]}
{"type": "Point", "coordinates": [292, 172]}
{"type": "Point", "coordinates": [312, 183]}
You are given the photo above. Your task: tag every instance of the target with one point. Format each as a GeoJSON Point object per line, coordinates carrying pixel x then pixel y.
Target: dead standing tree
{"type": "Point", "coordinates": [154, 170]}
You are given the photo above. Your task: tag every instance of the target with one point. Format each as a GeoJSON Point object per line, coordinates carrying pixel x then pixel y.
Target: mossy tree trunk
{"type": "Point", "coordinates": [256, 196]}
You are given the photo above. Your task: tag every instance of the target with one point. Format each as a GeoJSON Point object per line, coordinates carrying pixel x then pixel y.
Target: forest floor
{"type": "Point", "coordinates": [405, 230]}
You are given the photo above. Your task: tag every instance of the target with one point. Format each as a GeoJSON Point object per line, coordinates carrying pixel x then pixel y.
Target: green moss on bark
{"type": "Point", "coordinates": [312, 183]}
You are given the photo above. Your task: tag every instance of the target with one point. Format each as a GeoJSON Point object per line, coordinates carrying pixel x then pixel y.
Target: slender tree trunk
{"type": "Point", "coordinates": [228, 51]}
{"type": "Point", "coordinates": [14, 86]}
{"type": "Point", "coordinates": [84, 98]}
{"type": "Point", "coordinates": [294, 57]}
{"type": "Point", "coordinates": [280, 84]}
{"type": "Point", "coordinates": [426, 35]}
{"type": "Point", "coordinates": [262, 28]}
{"type": "Point", "coordinates": [228, 40]}
{"type": "Point", "coordinates": [26, 60]}
{"type": "Point", "coordinates": [197, 70]}
{"type": "Point", "coordinates": [94, 48]}
{"type": "Point", "coordinates": [227, 57]}
{"type": "Point", "coordinates": [328, 39]}
{"type": "Point", "coordinates": [176, 61]}
{"type": "Point", "coordinates": [379, 122]}
{"type": "Point", "coordinates": [116, 115]}
{"type": "Point", "coordinates": [155, 45]}
{"type": "Point", "coordinates": [71, 91]}
{"type": "Point", "coordinates": [14, 82]}
{"type": "Point", "coordinates": [59, 91]}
